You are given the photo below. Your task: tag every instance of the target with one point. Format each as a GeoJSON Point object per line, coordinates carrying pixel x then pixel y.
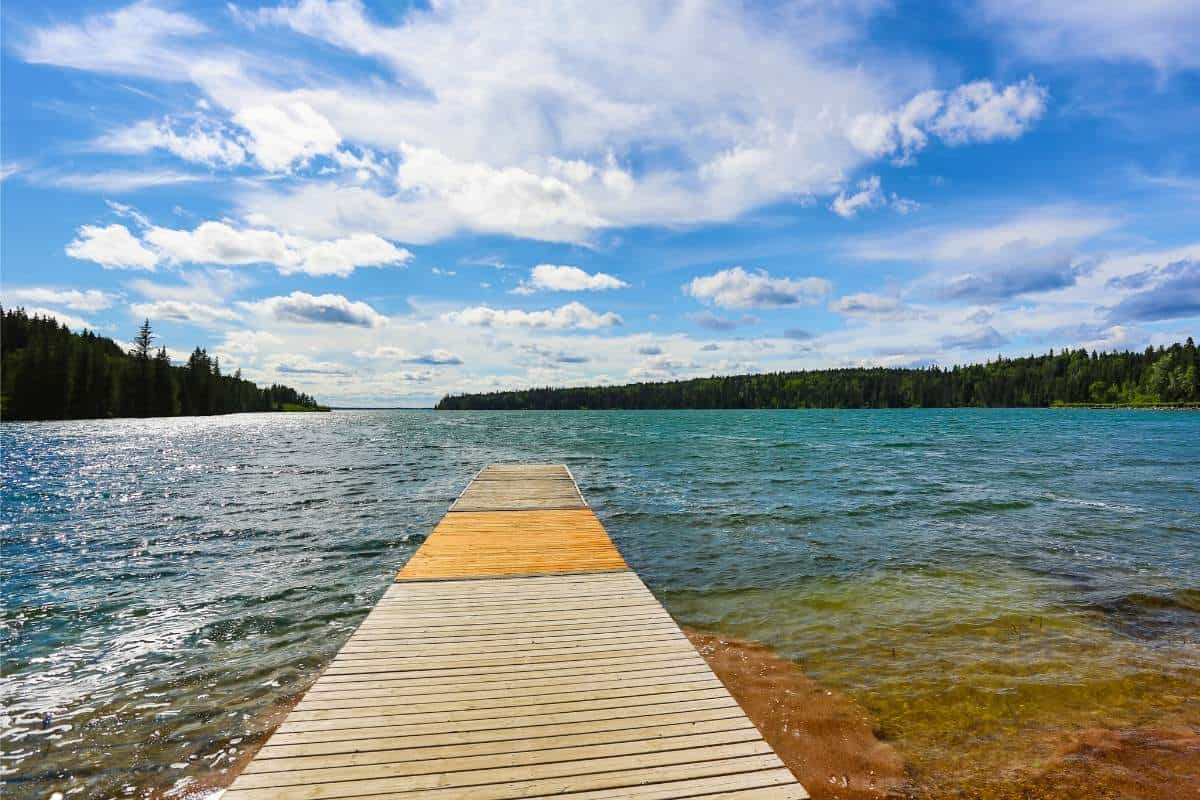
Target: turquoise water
{"type": "Point", "coordinates": [967, 575]}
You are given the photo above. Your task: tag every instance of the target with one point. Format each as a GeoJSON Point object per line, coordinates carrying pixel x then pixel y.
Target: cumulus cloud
{"type": "Point", "coordinates": [799, 334]}
{"type": "Point", "coordinates": [302, 365]}
{"type": "Point", "coordinates": [540, 134]}
{"type": "Point", "coordinates": [560, 278]}
{"type": "Point", "coordinates": [203, 142]}
{"type": "Point", "coordinates": [285, 135]}
{"type": "Point", "coordinates": [508, 134]}
{"type": "Point", "coordinates": [325, 309]}
{"type": "Point", "coordinates": [184, 311]}
{"type": "Point", "coordinates": [737, 288]}
{"type": "Point", "coordinates": [866, 304]}
{"type": "Point", "coordinates": [973, 112]}
{"type": "Point", "coordinates": [435, 357]}
{"type": "Point", "coordinates": [223, 244]}
{"type": "Point", "coordinates": [978, 339]}
{"type": "Point", "coordinates": [1175, 295]}
{"type": "Point", "coordinates": [869, 195]}
{"type": "Point", "coordinates": [712, 322]}
{"type": "Point", "coordinates": [565, 317]}
{"type": "Point", "coordinates": [1030, 273]}
{"type": "Point", "coordinates": [507, 199]}
{"type": "Point", "coordinates": [548, 356]}
{"type": "Point", "coordinates": [977, 112]}
{"type": "Point", "coordinates": [75, 299]}
{"type": "Point", "coordinates": [112, 247]}
{"type": "Point", "coordinates": [660, 367]}
{"type": "Point", "coordinates": [1034, 251]}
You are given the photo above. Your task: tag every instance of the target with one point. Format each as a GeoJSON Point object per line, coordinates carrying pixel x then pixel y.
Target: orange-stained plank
{"type": "Point", "coordinates": [494, 543]}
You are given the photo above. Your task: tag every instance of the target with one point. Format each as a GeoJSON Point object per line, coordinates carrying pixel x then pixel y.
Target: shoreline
{"type": "Point", "coordinates": [836, 748]}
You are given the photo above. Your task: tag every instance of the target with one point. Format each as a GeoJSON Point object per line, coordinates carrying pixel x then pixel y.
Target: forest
{"type": "Point", "coordinates": [48, 372]}
{"type": "Point", "coordinates": [1155, 377]}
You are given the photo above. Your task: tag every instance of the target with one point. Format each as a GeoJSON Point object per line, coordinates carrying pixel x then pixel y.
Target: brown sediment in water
{"type": "Point", "coordinates": [824, 737]}
{"type": "Point", "coordinates": [829, 741]}
{"type": "Point", "coordinates": [1160, 762]}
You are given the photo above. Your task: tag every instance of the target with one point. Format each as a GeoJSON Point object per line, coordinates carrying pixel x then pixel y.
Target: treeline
{"type": "Point", "coordinates": [1157, 376]}
{"type": "Point", "coordinates": [48, 372]}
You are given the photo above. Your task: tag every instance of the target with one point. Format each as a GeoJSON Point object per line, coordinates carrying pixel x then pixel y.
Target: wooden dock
{"type": "Point", "coordinates": [517, 655]}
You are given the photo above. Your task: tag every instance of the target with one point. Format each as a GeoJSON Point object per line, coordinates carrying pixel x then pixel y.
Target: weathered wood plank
{"type": "Point", "coordinates": [516, 655]}
{"type": "Point", "coordinates": [281, 759]}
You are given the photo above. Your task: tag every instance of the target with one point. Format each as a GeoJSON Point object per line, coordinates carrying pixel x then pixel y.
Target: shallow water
{"type": "Point", "coordinates": [983, 582]}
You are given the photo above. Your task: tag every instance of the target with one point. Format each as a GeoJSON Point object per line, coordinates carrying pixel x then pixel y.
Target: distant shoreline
{"type": "Point", "coordinates": [1167, 377]}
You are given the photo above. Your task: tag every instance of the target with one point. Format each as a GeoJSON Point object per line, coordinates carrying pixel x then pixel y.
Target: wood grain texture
{"type": "Point", "coordinates": [516, 655]}
{"type": "Point", "coordinates": [499, 543]}
{"type": "Point", "coordinates": [520, 487]}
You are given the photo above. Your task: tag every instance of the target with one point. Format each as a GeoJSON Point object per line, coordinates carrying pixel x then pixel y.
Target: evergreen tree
{"type": "Point", "coordinates": [48, 372]}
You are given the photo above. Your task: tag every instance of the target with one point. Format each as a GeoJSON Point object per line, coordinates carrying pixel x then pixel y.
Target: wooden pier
{"type": "Point", "coordinates": [517, 655]}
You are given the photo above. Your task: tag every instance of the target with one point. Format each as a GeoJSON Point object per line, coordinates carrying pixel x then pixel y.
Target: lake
{"type": "Point", "coordinates": [988, 584]}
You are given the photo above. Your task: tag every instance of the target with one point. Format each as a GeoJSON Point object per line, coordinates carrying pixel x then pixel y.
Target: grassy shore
{"type": "Point", "coordinates": [298, 407]}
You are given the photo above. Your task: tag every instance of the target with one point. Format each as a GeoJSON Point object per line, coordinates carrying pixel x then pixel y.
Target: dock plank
{"type": "Point", "coordinates": [516, 655]}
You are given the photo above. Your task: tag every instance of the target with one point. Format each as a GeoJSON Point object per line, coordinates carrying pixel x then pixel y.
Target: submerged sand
{"type": "Point", "coordinates": [833, 746]}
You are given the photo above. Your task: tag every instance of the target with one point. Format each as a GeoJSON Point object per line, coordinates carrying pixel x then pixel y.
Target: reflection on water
{"type": "Point", "coordinates": [986, 584]}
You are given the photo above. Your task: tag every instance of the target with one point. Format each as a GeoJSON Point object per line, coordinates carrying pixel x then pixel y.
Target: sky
{"type": "Point", "coordinates": [382, 203]}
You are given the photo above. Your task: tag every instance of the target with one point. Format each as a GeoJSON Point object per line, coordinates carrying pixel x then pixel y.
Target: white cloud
{"type": "Point", "coordinates": [508, 199]}
{"type": "Point", "coordinates": [561, 278]}
{"type": "Point", "coordinates": [139, 39]}
{"type": "Point", "coordinates": [566, 317]}
{"type": "Point", "coordinates": [73, 322]}
{"type": "Point", "coordinates": [75, 299]}
{"type": "Point", "coordinates": [869, 195]}
{"type": "Point", "coordinates": [535, 134]}
{"type": "Point", "coordinates": [9, 168]}
{"type": "Point", "coordinates": [973, 112]}
{"type": "Point", "coordinates": [112, 247]}
{"type": "Point", "coordinates": [902, 130]}
{"type": "Point", "coordinates": [1162, 33]}
{"type": "Point", "coordinates": [364, 165]}
{"type": "Point", "coordinates": [866, 304]}
{"type": "Point", "coordinates": [436, 357]}
{"type": "Point", "coordinates": [184, 311]}
{"type": "Point", "coordinates": [1037, 228]}
{"type": "Point", "coordinates": [977, 112]}
{"type": "Point", "coordinates": [325, 309]}
{"type": "Point", "coordinates": [117, 181]}
{"type": "Point", "coordinates": [203, 143]}
{"type": "Point", "coordinates": [507, 119]}
{"type": "Point", "coordinates": [222, 243]}
{"type": "Point", "coordinates": [737, 288]}
{"type": "Point", "coordinates": [284, 135]}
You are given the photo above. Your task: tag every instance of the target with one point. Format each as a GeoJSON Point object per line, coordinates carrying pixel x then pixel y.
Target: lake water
{"type": "Point", "coordinates": [983, 582]}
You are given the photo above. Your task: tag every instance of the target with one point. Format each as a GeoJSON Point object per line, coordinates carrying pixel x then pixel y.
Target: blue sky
{"type": "Point", "coordinates": [381, 204]}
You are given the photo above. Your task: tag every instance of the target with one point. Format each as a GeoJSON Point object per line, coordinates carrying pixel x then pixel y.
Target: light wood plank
{"type": "Point", "coordinates": [583, 774]}
{"type": "Point", "coordinates": [517, 655]}
{"type": "Point", "coordinates": [282, 759]}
